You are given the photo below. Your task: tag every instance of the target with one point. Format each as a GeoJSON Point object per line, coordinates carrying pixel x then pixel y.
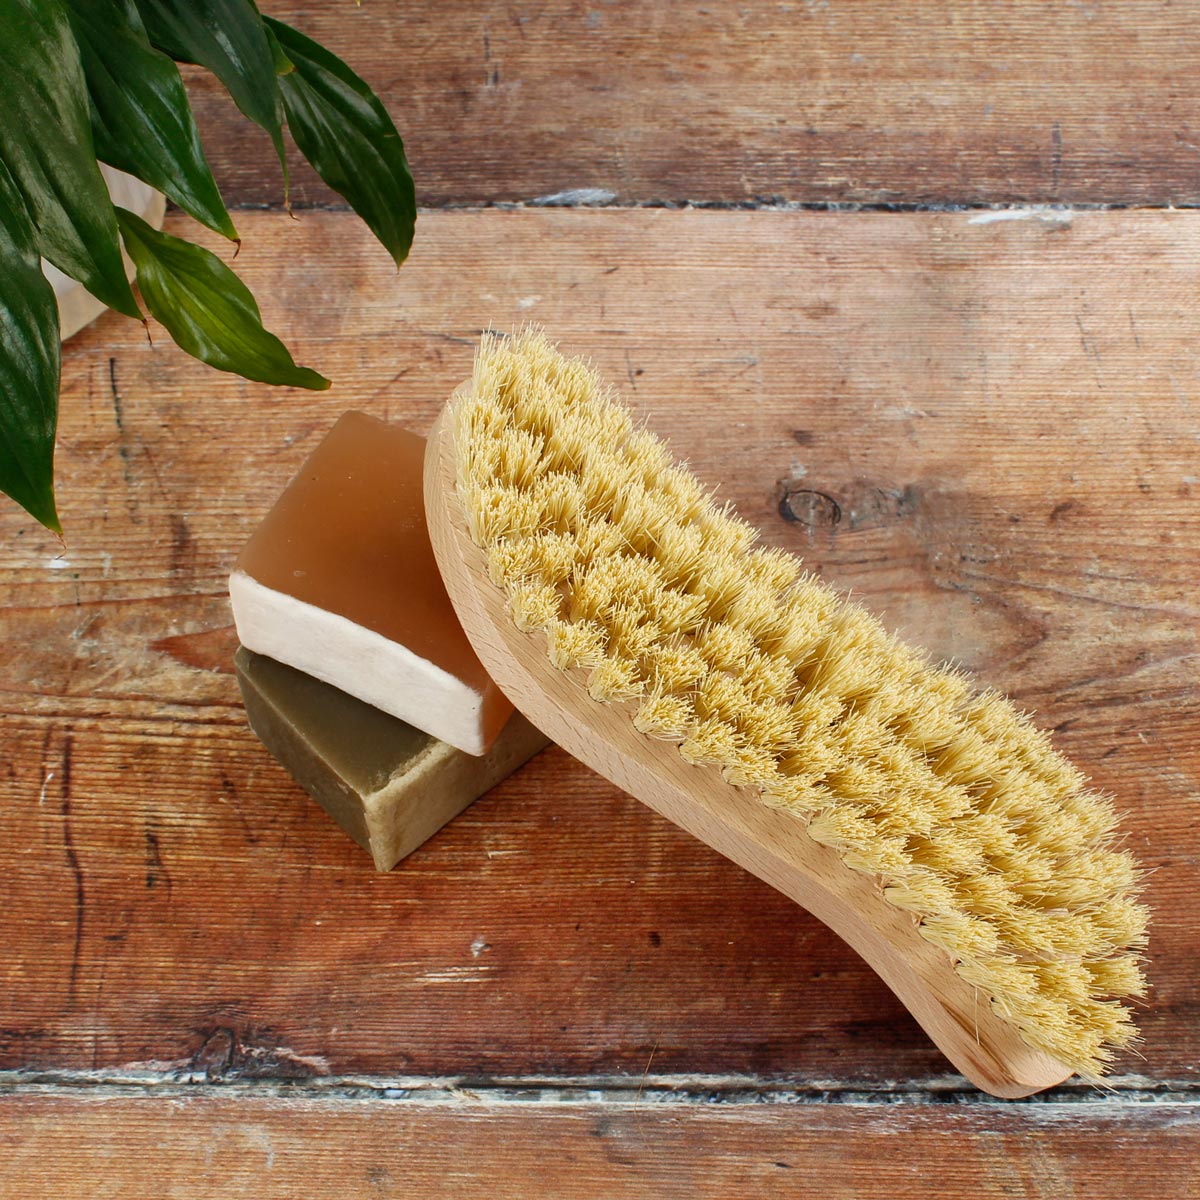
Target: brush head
{"type": "Point", "coordinates": [660, 601]}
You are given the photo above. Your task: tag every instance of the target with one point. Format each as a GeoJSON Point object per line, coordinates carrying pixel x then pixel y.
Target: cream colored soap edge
{"type": "Point", "coordinates": [359, 661]}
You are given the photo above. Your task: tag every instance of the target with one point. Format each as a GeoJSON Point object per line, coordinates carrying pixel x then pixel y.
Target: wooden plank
{"type": "Point", "coordinates": [927, 102]}
{"type": "Point", "coordinates": [1004, 416]}
{"type": "Point", "coordinates": [234, 1146]}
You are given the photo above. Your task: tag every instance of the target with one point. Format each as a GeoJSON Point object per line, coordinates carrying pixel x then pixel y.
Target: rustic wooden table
{"type": "Point", "coordinates": [986, 423]}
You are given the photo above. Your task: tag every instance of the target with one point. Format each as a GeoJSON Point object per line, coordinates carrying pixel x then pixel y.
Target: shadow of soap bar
{"type": "Point", "coordinates": [339, 581]}
{"type": "Point", "coordinates": [388, 785]}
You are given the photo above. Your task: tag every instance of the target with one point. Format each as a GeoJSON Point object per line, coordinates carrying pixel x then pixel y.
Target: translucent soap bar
{"type": "Point", "coordinates": [388, 785]}
{"type": "Point", "coordinates": [340, 582]}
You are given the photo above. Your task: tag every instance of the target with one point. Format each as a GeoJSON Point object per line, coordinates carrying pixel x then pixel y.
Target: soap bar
{"type": "Point", "coordinates": [388, 785]}
{"type": "Point", "coordinates": [339, 581]}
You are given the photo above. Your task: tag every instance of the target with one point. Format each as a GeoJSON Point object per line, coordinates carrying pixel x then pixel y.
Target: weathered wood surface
{"type": "Point", "coordinates": [988, 429]}
{"type": "Point", "coordinates": [926, 102]}
{"type": "Point", "coordinates": [464, 1146]}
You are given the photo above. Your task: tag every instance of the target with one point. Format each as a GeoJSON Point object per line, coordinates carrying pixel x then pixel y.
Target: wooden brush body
{"type": "Point", "coordinates": [927, 822]}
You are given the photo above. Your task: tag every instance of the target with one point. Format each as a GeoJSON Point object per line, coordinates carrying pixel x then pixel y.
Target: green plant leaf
{"type": "Point", "coordinates": [226, 37]}
{"type": "Point", "coordinates": [283, 64]}
{"type": "Point", "coordinates": [29, 363]}
{"type": "Point", "coordinates": [206, 308]}
{"type": "Point", "coordinates": [342, 128]}
{"type": "Point", "coordinates": [46, 143]}
{"type": "Point", "coordinates": [141, 119]}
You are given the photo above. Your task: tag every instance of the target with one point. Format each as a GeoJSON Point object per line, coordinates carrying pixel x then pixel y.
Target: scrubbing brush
{"type": "Point", "coordinates": [638, 624]}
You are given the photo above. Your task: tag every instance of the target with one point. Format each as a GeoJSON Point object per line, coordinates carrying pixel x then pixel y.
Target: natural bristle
{"type": "Point", "coordinates": [659, 597]}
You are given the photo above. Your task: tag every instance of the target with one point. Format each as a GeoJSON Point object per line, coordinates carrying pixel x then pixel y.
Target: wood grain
{"type": "Point", "coordinates": [927, 102]}
{"type": "Point", "coordinates": [989, 431]}
{"type": "Point", "coordinates": [182, 1145]}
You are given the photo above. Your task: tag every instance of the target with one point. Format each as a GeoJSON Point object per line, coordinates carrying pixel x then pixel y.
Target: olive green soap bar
{"type": "Point", "coordinates": [388, 785]}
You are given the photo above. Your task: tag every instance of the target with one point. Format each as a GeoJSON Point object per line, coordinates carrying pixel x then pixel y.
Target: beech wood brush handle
{"type": "Point", "coordinates": [767, 842]}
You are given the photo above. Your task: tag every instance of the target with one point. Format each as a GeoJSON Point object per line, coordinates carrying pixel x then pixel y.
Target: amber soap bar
{"type": "Point", "coordinates": [340, 582]}
{"type": "Point", "coordinates": [388, 785]}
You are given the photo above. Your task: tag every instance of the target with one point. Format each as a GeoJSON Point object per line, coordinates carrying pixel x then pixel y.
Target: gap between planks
{"type": "Point", "coordinates": [1118, 1095]}
{"type": "Point", "coordinates": [571, 198]}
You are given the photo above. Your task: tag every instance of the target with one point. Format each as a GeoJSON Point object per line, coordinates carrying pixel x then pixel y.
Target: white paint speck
{"type": "Point", "coordinates": [262, 1139]}
{"type": "Point", "coordinates": [572, 197]}
{"type": "Point", "coordinates": [59, 564]}
{"type": "Point", "coordinates": [1036, 212]}
{"type": "Point", "coordinates": [456, 975]}
{"type": "Point", "coordinates": [526, 302]}
{"type": "Point", "coordinates": [478, 946]}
